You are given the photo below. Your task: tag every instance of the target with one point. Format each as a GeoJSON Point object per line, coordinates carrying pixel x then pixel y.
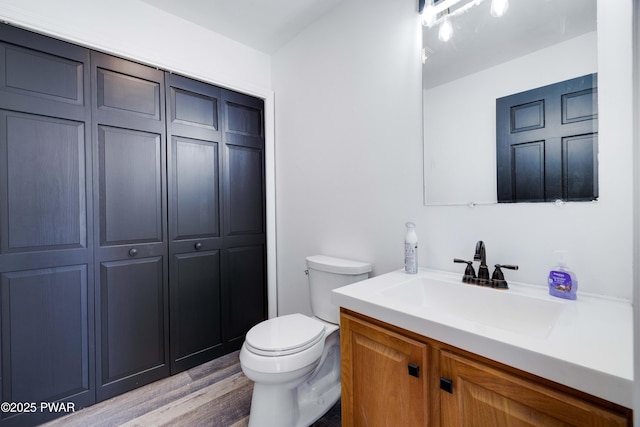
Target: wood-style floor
{"type": "Point", "coordinates": [213, 394]}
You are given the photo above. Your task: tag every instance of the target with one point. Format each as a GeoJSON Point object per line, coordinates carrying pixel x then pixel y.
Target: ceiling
{"type": "Point", "coordinates": [265, 25]}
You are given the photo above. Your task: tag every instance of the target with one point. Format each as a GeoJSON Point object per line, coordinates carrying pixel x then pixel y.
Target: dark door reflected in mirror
{"type": "Point", "coordinates": [547, 143]}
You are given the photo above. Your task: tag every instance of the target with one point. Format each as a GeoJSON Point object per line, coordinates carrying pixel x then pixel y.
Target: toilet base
{"type": "Point", "coordinates": [276, 405]}
{"type": "Point", "coordinates": [273, 406]}
{"type": "Point", "coordinates": [312, 410]}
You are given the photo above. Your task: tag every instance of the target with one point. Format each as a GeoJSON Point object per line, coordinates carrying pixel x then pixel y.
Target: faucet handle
{"type": "Point", "coordinates": [469, 272]}
{"type": "Point", "coordinates": [497, 278]}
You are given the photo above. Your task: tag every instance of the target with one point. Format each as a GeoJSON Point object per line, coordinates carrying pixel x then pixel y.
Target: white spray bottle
{"type": "Point", "coordinates": [411, 249]}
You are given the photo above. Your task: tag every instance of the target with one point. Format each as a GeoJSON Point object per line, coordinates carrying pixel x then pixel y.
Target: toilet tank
{"type": "Point", "coordinates": [327, 273]}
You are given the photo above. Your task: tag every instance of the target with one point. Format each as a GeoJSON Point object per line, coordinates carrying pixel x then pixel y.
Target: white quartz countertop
{"type": "Point", "coordinates": [589, 347]}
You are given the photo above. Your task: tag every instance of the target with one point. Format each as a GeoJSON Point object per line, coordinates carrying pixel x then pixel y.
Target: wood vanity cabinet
{"type": "Point", "coordinates": [383, 376]}
{"type": "Point", "coordinates": [453, 387]}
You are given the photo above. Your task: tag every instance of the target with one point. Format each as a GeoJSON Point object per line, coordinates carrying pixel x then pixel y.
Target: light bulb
{"type": "Point", "coordinates": [499, 7]}
{"type": "Point", "coordinates": [429, 15]}
{"type": "Point", "coordinates": [446, 31]}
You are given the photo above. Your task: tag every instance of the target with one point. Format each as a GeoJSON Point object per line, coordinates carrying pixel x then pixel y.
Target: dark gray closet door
{"type": "Point", "coordinates": [193, 129]}
{"type": "Point", "coordinates": [130, 215]}
{"type": "Point", "coordinates": [87, 232]}
{"type": "Point", "coordinates": [46, 255]}
{"type": "Point", "coordinates": [244, 249]}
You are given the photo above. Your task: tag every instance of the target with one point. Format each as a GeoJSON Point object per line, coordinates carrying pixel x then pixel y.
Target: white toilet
{"type": "Point", "coordinates": [294, 360]}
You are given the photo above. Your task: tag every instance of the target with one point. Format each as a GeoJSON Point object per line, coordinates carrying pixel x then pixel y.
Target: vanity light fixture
{"type": "Point", "coordinates": [429, 15]}
{"type": "Point", "coordinates": [441, 11]}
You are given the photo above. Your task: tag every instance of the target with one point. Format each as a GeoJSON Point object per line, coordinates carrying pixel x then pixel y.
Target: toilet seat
{"type": "Point", "coordinates": [284, 335]}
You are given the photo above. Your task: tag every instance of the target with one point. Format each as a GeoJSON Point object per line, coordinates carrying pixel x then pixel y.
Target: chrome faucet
{"type": "Point", "coordinates": [495, 281]}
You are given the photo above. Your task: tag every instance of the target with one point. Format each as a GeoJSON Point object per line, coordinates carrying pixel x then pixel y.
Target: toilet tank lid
{"type": "Point", "coordinates": [337, 265]}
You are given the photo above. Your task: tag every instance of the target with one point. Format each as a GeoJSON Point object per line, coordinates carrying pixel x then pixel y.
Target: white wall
{"type": "Point", "coordinates": [456, 155]}
{"type": "Point", "coordinates": [349, 152]}
{"type": "Point", "coordinates": [135, 30]}
{"type": "Point", "coordinates": [349, 161]}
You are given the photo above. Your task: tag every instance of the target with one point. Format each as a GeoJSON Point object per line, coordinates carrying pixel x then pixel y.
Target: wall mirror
{"type": "Point", "coordinates": [535, 43]}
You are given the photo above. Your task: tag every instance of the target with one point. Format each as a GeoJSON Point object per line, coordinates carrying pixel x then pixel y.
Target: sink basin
{"type": "Point", "coordinates": [485, 307]}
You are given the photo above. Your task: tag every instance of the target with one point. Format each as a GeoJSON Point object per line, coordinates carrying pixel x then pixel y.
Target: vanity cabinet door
{"type": "Point", "coordinates": [384, 376]}
{"type": "Point", "coordinates": [484, 396]}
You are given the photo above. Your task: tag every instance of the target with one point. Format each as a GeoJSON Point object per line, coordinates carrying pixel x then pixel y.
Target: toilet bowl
{"type": "Point", "coordinates": [294, 360]}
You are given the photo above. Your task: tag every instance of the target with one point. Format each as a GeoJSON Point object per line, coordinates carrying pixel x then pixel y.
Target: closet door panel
{"type": "Point", "coordinates": [195, 309]}
{"type": "Point", "coordinates": [130, 186]}
{"type": "Point", "coordinates": [131, 260]}
{"type": "Point", "coordinates": [45, 335]}
{"type": "Point", "coordinates": [133, 319]}
{"type": "Point", "coordinates": [193, 165]}
{"type": "Point", "coordinates": [127, 94]}
{"type": "Point", "coordinates": [245, 119]}
{"type": "Point", "coordinates": [244, 272]}
{"type": "Point", "coordinates": [45, 192]}
{"type": "Point", "coordinates": [245, 183]}
{"type": "Point", "coordinates": [42, 75]}
{"type": "Point", "coordinates": [196, 201]}
{"type": "Point", "coordinates": [46, 220]}
{"type": "Point", "coordinates": [130, 160]}
{"type": "Point", "coordinates": [45, 152]}
{"type": "Point", "coordinates": [45, 316]}
{"type": "Point", "coordinates": [194, 222]}
{"type": "Point", "coordinates": [193, 108]}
